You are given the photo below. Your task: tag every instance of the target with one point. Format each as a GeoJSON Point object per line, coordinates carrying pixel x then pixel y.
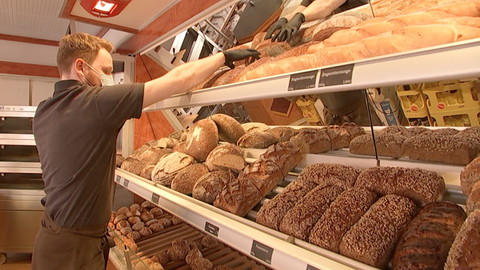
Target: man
{"type": "Point", "coordinates": [75, 132]}
{"type": "Point", "coordinates": [340, 107]}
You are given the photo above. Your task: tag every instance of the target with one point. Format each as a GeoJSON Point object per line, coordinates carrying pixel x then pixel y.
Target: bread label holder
{"type": "Point", "coordinates": [209, 227]}
{"type": "Point", "coordinates": [309, 267]}
{"type": "Point", "coordinates": [118, 178]}
{"type": "Point", "coordinates": [125, 183]}
{"type": "Point", "coordinates": [304, 80]}
{"type": "Point", "coordinates": [336, 75]}
{"type": "Point", "coordinates": [262, 252]}
{"type": "Point", "coordinates": [155, 198]}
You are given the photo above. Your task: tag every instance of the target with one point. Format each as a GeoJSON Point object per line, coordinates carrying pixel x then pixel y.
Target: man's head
{"type": "Point", "coordinates": [84, 57]}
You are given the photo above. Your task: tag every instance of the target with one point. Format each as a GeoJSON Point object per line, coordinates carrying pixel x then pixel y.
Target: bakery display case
{"type": "Point", "coordinates": [21, 185]}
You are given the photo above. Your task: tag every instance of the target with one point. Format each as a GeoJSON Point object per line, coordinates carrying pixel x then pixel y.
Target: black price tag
{"type": "Point", "coordinates": [155, 198]}
{"type": "Point", "coordinates": [118, 178]}
{"type": "Point", "coordinates": [304, 80]}
{"type": "Point", "coordinates": [262, 252]}
{"type": "Point", "coordinates": [336, 76]}
{"type": "Point", "coordinates": [309, 267]}
{"type": "Point", "coordinates": [125, 183]}
{"type": "Point", "coordinates": [209, 227]}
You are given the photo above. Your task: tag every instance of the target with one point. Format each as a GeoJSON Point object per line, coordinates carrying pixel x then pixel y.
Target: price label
{"type": "Point", "coordinates": [155, 198]}
{"type": "Point", "coordinates": [10, 109]}
{"type": "Point", "coordinates": [118, 178]}
{"type": "Point", "coordinates": [125, 183]}
{"type": "Point", "coordinates": [309, 267]}
{"type": "Point", "coordinates": [209, 227]}
{"type": "Point", "coordinates": [304, 80]}
{"type": "Point", "coordinates": [336, 76]}
{"type": "Point", "coordinates": [262, 252]}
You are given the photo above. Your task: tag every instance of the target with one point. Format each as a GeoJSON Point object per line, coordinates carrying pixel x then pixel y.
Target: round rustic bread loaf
{"type": "Point", "coordinates": [260, 140]}
{"type": "Point", "coordinates": [229, 129]}
{"type": "Point", "coordinates": [470, 176]}
{"type": "Point", "coordinates": [255, 127]}
{"type": "Point", "coordinates": [168, 166]}
{"type": "Point", "coordinates": [211, 184]}
{"type": "Point", "coordinates": [187, 177]}
{"type": "Point", "coordinates": [226, 157]}
{"type": "Point", "coordinates": [473, 200]}
{"type": "Point", "coordinates": [283, 134]}
{"type": "Point", "coordinates": [201, 139]}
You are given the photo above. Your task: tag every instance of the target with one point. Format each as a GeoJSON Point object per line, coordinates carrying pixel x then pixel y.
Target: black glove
{"type": "Point", "coordinates": [290, 28]}
{"type": "Point", "coordinates": [278, 25]}
{"type": "Point", "coordinates": [235, 55]}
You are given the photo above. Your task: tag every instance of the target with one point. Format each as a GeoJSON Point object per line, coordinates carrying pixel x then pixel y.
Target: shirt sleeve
{"type": "Point", "coordinates": [118, 103]}
{"type": "Point", "coordinates": [306, 3]}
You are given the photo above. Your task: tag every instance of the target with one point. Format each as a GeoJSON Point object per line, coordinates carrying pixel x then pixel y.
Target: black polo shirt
{"type": "Point", "coordinates": [75, 132]}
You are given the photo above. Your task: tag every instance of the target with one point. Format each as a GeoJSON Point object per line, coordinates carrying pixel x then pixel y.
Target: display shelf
{"type": "Point", "coordinates": [451, 61]}
{"type": "Point", "coordinates": [17, 111]}
{"type": "Point", "coordinates": [17, 139]}
{"type": "Point", "coordinates": [20, 167]}
{"type": "Point", "coordinates": [268, 249]}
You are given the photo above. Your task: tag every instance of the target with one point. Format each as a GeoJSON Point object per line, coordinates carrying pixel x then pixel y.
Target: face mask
{"type": "Point", "coordinates": [107, 80]}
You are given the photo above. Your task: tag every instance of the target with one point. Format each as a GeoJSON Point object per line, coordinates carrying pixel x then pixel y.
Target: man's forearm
{"type": "Point", "coordinates": [320, 9]}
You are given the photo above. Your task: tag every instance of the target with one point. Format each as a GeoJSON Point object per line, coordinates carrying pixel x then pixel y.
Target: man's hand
{"type": "Point", "coordinates": [235, 55]}
{"type": "Point", "coordinates": [278, 25]}
{"type": "Point", "coordinates": [287, 31]}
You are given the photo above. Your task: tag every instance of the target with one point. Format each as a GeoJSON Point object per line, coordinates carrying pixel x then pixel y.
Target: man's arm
{"type": "Point", "coordinates": [320, 9]}
{"type": "Point", "coordinates": [185, 77]}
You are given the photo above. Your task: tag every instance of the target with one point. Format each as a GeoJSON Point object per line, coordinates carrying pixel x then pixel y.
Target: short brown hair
{"type": "Point", "coordinates": [79, 45]}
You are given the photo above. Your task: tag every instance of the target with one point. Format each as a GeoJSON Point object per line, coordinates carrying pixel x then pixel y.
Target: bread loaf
{"type": "Point", "coordinates": [167, 142]}
{"type": "Point", "coordinates": [226, 157]}
{"type": "Point", "coordinates": [337, 220]}
{"type": "Point", "coordinates": [229, 76]}
{"type": "Point", "coordinates": [428, 237]}
{"type": "Point", "coordinates": [201, 139]}
{"type": "Point", "coordinates": [312, 141]}
{"type": "Point", "coordinates": [388, 145]}
{"type": "Point", "coordinates": [207, 83]}
{"type": "Point", "coordinates": [259, 140]}
{"type": "Point", "coordinates": [284, 154]}
{"type": "Point", "coordinates": [339, 137]}
{"type": "Point", "coordinates": [263, 174]}
{"type": "Point", "coordinates": [186, 178]}
{"type": "Point", "coordinates": [464, 253]}
{"type": "Point", "coordinates": [373, 238]}
{"type": "Point", "coordinates": [300, 220]}
{"type": "Point", "coordinates": [238, 197]}
{"type": "Point", "coordinates": [146, 172]}
{"type": "Point", "coordinates": [331, 174]}
{"type": "Point", "coordinates": [133, 165]}
{"type": "Point", "coordinates": [255, 127]}
{"type": "Point", "coordinates": [334, 24]}
{"type": "Point", "coordinates": [250, 67]}
{"type": "Point", "coordinates": [273, 211]}
{"type": "Point", "coordinates": [119, 160]}
{"type": "Point", "coordinates": [208, 187]}
{"type": "Point", "coordinates": [272, 49]}
{"type": "Point", "coordinates": [257, 39]}
{"type": "Point", "coordinates": [421, 186]}
{"type": "Point", "coordinates": [469, 176]}
{"type": "Point", "coordinates": [229, 129]}
{"type": "Point", "coordinates": [168, 167]}
{"type": "Point", "coordinates": [473, 200]}
{"type": "Point", "coordinates": [283, 134]}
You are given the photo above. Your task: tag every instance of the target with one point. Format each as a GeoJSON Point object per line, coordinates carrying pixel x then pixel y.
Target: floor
{"type": "Point", "coordinates": [17, 261]}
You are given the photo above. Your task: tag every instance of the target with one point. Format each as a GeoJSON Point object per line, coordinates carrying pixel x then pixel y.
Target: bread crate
{"type": "Point", "coordinates": [451, 95]}
{"type": "Point", "coordinates": [414, 104]}
{"type": "Point", "coordinates": [457, 118]}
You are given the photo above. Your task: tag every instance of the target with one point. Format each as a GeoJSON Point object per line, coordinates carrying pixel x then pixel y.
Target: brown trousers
{"type": "Point", "coordinates": [69, 249]}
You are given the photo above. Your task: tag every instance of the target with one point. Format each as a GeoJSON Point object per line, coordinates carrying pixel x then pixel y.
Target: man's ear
{"type": "Point", "coordinates": [79, 66]}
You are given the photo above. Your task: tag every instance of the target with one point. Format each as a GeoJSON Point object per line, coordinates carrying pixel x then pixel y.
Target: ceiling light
{"type": "Point", "coordinates": [104, 8]}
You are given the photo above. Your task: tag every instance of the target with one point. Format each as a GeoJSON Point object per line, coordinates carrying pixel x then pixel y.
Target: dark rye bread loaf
{"type": "Point", "coordinates": [421, 186]}
{"type": "Point", "coordinates": [343, 213]}
{"type": "Point", "coordinates": [300, 220]}
{"type": "Point", "coordinates": [238, 197]}
{"type": "Point", "coordinates": [273, 211]}
{"type": "Point", "coordinates": [388, 144]}
{"type": "Point", "coordinates": [429, 236]}
{"type": "Point", "coordinates": [331, 174]}
{"type": "Point", "coordinates": [373, 238]}
{"type": "Point", "coordinates": [464, 253]}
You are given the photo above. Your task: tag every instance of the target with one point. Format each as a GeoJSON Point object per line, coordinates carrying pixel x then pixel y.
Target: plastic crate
{"type": "Point", "coordinates": [457, 118]}
{"type": "Point", "coordinates": [414, 104]}
{"type": "Point", "coordinates": [451, 95]}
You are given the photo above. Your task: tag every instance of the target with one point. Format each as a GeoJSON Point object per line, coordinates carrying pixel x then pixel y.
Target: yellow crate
{"type": "Point", "coordinates": [414, 104]}
{"type": "Point", "coordinates": [457, 118]}
{"type": "Point", "coordinates": [451, 95]}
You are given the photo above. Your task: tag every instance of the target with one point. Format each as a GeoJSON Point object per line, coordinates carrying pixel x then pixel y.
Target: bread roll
{"type": "Point", "coordinates": [208, 187]}
{"type": "Point", "coordinates": [473, 200]}
{"type": "Point", "coordinates": [209, 241]}
{"type": "Point", "coordinates": [169, 166]}
{"type": "Point", "coordinates": [285, 154]}
{"type": "Point", "coordinates": [264, 174]}
{"type": "Point", "coordinates": [201, 139]}
{"type": "Point", "coordinates": [464, 251]}
{"type": "Point", "coordinates": [178, 250]}
{"type": "Point", "coordinates": [428, 237]}
{"type": "Point", "coordinates": [229, 129]}
{"type": "Point", "coordinates": [238, 197]}
{"type": "Point", "coordinates": [226, 157]}
{"type": "Point", "coordinates": [259, 140]}
{"type": "Point", "coordinates": [312, 141]}
{"type": "Point", "coordinates": [179, 135]}
{"type": "Point", "coordinates": [186, 178]}
{"type": "Point", "coordinates": [331, 174]}
{"type": "Point", "coordinates": [373, 238]}
{"type": "Point", "coordinates": [421, 186]}
{"type": "Point", "coordinates": [343, 213]}
{"type": "Point", "coordinates": [470, 176]}
{"type": "Point", "coordinates": [300, 220]}
{"type": "Point", "coordinates": [273, 211]}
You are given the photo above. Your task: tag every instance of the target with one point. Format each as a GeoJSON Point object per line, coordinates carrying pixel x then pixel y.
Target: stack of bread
{"type": "Point", "coordinates": [359, 214]}
{"type": "Point", "coordinates": [446, 145]}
